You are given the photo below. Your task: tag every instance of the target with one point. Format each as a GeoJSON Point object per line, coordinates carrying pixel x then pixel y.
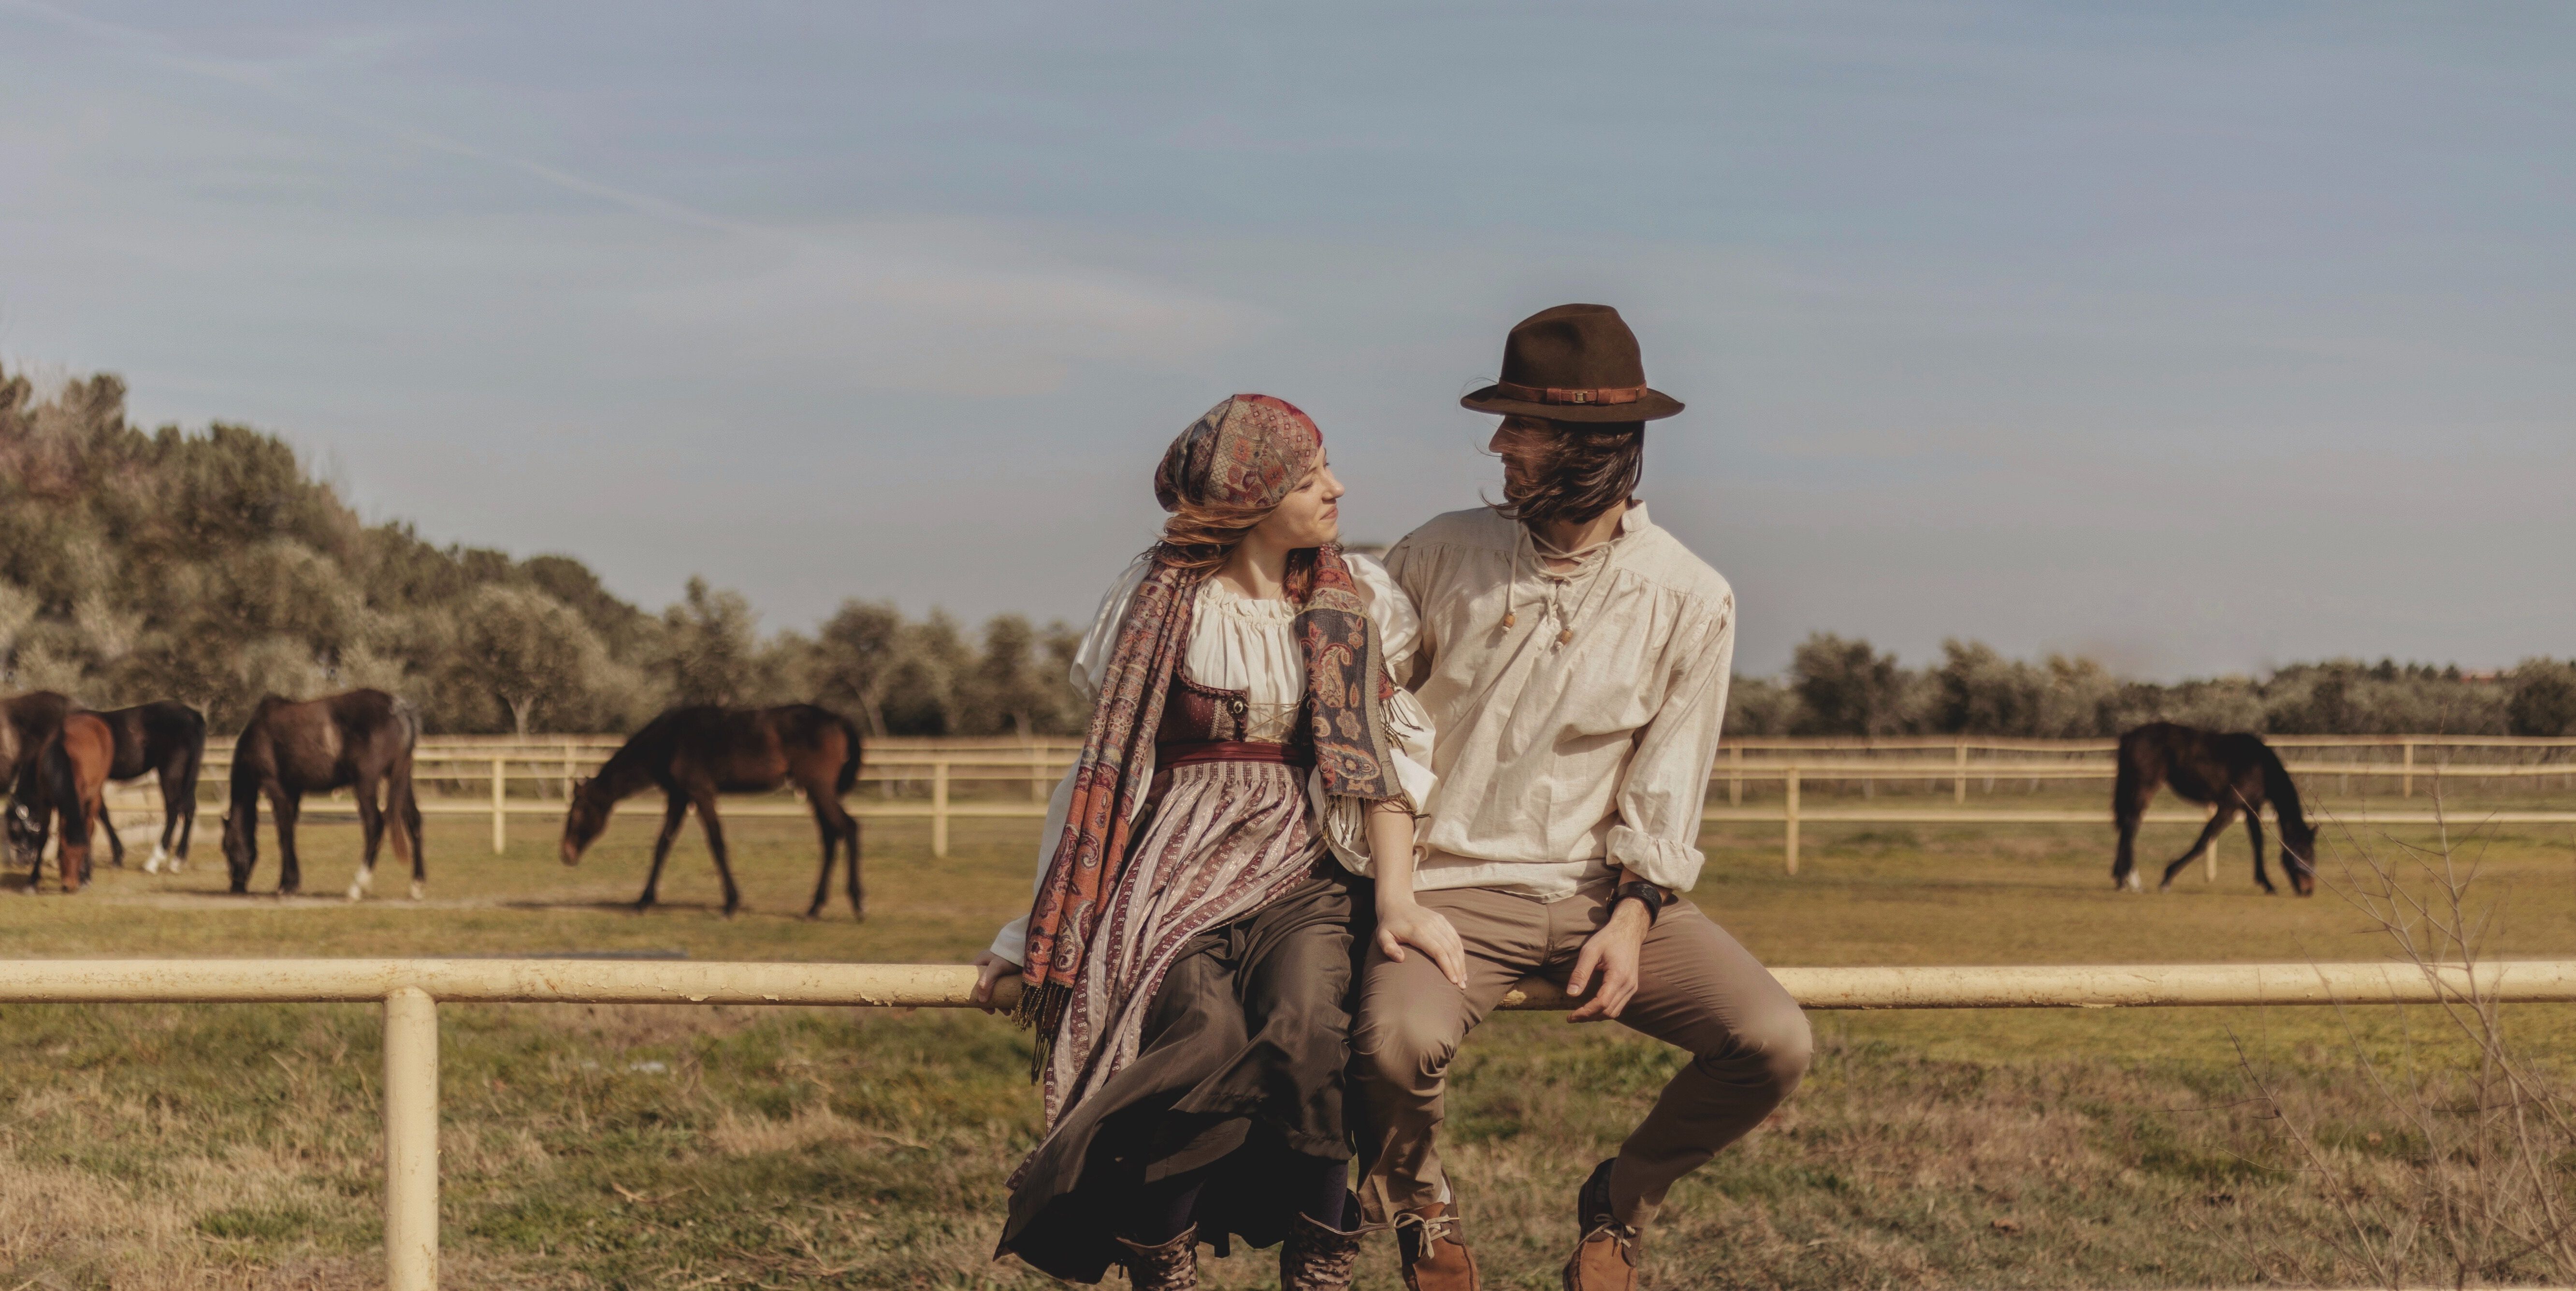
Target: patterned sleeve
{"type": "Point", "coordinates": [1391, 613]}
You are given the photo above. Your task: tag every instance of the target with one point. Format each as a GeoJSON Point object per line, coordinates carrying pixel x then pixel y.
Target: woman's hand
{"type": "Point", "coordinates": [1405, 922]}
{"type": "Point", "coordinates": [991, 968]}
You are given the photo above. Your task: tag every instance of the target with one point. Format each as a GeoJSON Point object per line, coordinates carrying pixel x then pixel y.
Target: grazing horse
{"type": "Point", "coordinates": [694, 753]}
{"type": "Point", "coordinates": [27, 723]}
{"type": "Point", "coordinates": [2232, 772]}
{"type": "Point", "coordinates": [361, 738]}
{"type": "Point", "coordinates": [168, 738]}
{"type": "Point", "coordinates": [69, 782]}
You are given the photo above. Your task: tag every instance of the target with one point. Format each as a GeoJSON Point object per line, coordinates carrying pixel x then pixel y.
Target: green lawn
{"type": "Point", "coordinates": [641, 1146]}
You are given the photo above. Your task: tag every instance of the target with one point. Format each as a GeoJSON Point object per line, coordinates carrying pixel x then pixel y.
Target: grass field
{"type": "Point", "coordinates": [153, 1146]}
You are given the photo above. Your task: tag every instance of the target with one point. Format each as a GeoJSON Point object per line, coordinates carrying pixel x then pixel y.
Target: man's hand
{"type": "Point", "coordinates": [1613, 950]}
{"type": "Point", "coordinates": [990, 968]}
{"type": "Point", "coordinates": [1400, 923]}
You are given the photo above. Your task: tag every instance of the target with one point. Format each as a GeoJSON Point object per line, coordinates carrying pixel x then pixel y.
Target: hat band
{"type": "Point", "coordinates": [1571, 395]}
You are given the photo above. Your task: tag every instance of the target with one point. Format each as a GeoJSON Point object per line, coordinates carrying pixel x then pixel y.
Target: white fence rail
{"type": "Point", "coordinates": [544, 767]}
{"type": "Point", "coordinates": [411, 990]}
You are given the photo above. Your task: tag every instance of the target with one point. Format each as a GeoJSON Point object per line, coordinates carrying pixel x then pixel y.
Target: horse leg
{"type": "Point", "coordinates": [400, 796]}
{"type": "Point", "coordinates": [673, 812]}
{"type": "Point", "coordinates": [715, 843]}
{"type": "Point", "coordinates": [850, 839]}
{"type": "Point", "coordinates": [115, 845]}
{"type": "Point", "coordinates": [169, 823]}
{"type": "Point", "coordinates": [290, 871]}
{"type": "Point", "coordinates": [2254, 826]}
{"type": "Point", "coordinates": [2226, 816]}
{"type": "Point", "coordinates": [371, 824]}
{"type": "Point", "coordinates": [187, 818]}
{"type": "Point", "coordinates": [831, 836]}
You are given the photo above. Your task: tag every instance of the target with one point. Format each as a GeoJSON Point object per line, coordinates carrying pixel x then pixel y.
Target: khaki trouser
{"type": "Point", "coordinates": [1696, 988]}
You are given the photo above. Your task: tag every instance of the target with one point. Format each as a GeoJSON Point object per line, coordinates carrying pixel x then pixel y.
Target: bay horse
{"type": "Point", "coordinates": [68, 779]}
{"type": "Point", "coordinates": [695, 752]}
{"type": "Point", "coordinates": [167, 738]}
{"type": "Point", "coordinates": [360, 738]}
{"type": "Point", "coordinates": [2235, 772]}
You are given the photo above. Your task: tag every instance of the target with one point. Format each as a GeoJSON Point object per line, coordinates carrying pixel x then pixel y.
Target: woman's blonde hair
{"type": "Point", "coordinates": [1199, 538]}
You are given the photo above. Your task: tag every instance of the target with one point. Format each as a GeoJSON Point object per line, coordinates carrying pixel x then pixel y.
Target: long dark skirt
{"type": "Point", "coordinates": [1241, 1069]}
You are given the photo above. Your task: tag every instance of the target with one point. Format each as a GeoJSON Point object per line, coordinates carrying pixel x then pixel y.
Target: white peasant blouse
{"type": "Point", "coordinates": [1238, 643]}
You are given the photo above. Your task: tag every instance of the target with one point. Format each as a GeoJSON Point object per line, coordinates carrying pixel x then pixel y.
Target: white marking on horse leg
{"type": "Point", "coordinates": [2136, 884]}
{"type": "Point", "coordinates": [418, 888]}
{"type": "Point", "coordinates": [359, 886]}
{"type": "Point", "coordinates": [153, 866]}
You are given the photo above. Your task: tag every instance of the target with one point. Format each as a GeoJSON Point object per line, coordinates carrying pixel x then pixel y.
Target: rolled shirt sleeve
{"type": "Point", "coordinates": [1656, 835]}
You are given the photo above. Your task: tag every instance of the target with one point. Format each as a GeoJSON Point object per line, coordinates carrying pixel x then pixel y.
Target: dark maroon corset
{"type": "Point", "coordinates": [1205, 724]}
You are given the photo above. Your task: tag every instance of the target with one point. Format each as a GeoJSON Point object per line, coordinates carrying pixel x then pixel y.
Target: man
{"type": "Point", "coordinates": [1575, 660]}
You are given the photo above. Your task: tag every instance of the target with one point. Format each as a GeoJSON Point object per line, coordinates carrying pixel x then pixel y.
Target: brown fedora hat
{"type": "Point", "coordinates": [1573, 363]}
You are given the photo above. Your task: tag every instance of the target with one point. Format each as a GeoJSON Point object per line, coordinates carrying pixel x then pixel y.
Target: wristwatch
{"type": "Point", "coordinates": [1644, 893]}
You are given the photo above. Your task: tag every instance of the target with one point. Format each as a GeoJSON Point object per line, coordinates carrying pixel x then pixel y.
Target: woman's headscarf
{"type": "Point", "coordinates": [1246, 452]}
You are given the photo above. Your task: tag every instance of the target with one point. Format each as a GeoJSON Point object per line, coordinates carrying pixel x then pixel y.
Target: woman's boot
{"type": "Point", "coordinates": [1317, 1256]}
{"type": "Point", "coordinates": [1172, 1266]}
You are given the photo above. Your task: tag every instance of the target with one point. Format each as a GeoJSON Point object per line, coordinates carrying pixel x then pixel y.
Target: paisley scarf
{"type": "Point", "coordinates": [1248, 451]}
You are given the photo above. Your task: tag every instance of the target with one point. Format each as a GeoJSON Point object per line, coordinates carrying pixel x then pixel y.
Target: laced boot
{"type": "Point", "coordinates": [1605, 1259]}
{"type": "Point", "coordinates": [1433, 1246]}
{"type": "Point", "coordinates": [1318, 1257]}
{"type": "Point", "coordinates": [1172, 1266]}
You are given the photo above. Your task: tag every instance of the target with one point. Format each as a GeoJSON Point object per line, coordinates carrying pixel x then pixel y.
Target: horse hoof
{"type": "Point", "coordinates": [356, 891]}
{"type": "Point", "coordinates": [417, 890]}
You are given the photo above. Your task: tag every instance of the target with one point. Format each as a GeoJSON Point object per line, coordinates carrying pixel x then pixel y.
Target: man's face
{"type": "Point", "coordinates": [1521, 442]}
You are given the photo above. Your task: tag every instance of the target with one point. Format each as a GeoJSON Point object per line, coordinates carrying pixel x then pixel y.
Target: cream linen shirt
{"type": "Point", "coordinates": [1556, 761]}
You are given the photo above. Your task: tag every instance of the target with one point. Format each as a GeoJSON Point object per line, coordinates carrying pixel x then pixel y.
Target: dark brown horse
{"type": "Point", "coordinates": [166, 738]}
{"type": "Point", "coordinates": [2236, 773]}
{"type": "Point", "coordinates": [360, 738]}
{"type": "Point", "coordinates": [694, 753]}
{"type": "Point", "coordinates": [27, 723]}
{"type": "Point", "coordinates": [67, 780]}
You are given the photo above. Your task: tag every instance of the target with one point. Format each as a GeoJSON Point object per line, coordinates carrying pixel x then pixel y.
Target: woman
{"type": "Point", "coordinates": [1187, 957]}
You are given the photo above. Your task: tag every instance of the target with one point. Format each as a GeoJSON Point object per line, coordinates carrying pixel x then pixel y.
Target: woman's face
{"type": "Point", "coordinates": [1310, 517]}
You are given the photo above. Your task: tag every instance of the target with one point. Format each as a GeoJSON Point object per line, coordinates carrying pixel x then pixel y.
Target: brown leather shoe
{"type": "Point", "coordinates": [1605, 1258]}
{"type": "Point", "coordinates": [1433, 1245]}
{"type": "Point", "coordinates": [1172, 1266]}
{"type": "Point", "coordinates": [1318, 1258]}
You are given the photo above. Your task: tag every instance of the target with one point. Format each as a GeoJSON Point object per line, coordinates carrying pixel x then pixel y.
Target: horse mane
{"type": "Point", "coordinates": [2284, 794]}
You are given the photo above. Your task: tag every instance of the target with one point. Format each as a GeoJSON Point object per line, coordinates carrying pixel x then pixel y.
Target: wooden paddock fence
{"type": "Point", "coordinates": [920, 779]}
{"type": "Point", "coordinates": [411, 989]}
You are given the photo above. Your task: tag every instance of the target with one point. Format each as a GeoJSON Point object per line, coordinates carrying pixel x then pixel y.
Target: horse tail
{"type": "Point", "coordinates": [850, 761]}
{"type": "Point", "coordinates": [2283, 793]}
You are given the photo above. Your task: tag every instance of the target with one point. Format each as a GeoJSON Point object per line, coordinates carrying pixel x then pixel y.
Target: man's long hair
{"type": "Point", "coordinates": [1573, 471]}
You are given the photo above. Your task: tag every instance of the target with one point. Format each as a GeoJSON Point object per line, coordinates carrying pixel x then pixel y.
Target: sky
{"type": "Point", "coordinates": [2197, 338]}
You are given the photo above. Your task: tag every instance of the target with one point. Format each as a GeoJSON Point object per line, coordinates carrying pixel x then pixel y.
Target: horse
{"type": "Point", "coordinates": [27, 723]}
{"type": "Point", "coordinates": [169, 738]}
{"type": "Point", "coordinates": [695, 752]}
{"type": "Point", "coordinates": [2232, 772]}
{"type": "Point", "coordinates": [361, 738]}
{"type": "Point", "coordinates": [69, 781]}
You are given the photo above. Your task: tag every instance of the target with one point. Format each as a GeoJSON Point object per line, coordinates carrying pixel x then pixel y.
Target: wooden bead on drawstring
{"type": "Point", "coordinates": [1510, 619]}
{"type": "Point", "coordinates": [1565, 637]}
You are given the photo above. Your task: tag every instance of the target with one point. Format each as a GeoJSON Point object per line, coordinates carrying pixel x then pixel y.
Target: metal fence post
{"type": "Point", "coordinates": [939, 807]}
{"type": "Point", "coordinates": [500, 809]}
{"type": "Point", "coordinates": [1791, 854]}
{"type": "Point", "coordinates": [411, 1140]}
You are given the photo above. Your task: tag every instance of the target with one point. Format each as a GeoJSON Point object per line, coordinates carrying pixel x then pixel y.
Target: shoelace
{"type": "Point", "coordinates": [1433, 1228]}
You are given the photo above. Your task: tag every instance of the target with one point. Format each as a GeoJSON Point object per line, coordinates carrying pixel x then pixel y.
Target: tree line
{"type": "Point", "coordinates": [213, 567]}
